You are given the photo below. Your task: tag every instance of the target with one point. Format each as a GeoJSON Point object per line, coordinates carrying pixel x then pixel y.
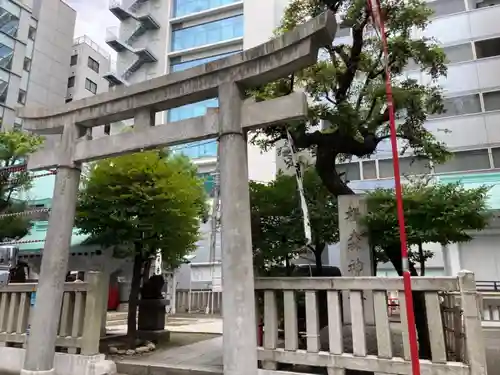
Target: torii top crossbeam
{"type": "Point", "coordinates": [253, 67]}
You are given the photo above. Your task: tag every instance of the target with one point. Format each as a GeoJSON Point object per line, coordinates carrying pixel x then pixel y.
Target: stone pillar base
{"type": "Point", "coordinates": [29, 372]}
{"type": "Point", "coordinates": [12, 359]}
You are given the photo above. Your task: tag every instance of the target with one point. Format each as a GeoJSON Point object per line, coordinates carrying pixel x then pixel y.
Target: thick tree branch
{"type": "Point", "coordinates": [355, 57]}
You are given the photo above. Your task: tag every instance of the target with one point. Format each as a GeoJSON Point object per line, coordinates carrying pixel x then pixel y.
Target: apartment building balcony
{"type": "Point", "coordinates": [145, 23]}
{"type": "Point", "coordinates": [125, 9]}
{"type": "Point", "coordinates": [119, 9]}
{"type": "Point", "coordinates": [144, 56]}
{"type": "Point", "coordinates": [114, 79]}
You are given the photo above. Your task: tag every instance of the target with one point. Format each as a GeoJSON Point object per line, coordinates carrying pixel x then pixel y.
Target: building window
{"type": "Point", "coordinates": [9, 23]}
{"type": "Point", "coordinates": [465, 161]}
{"type": "Point", "coordinates": [6, 55]}
{"type": "Point", "coordinates": [491, 100]}
{"type": "Point", "coordinates": [191, 110]}
{"type": "Point", "coordinates": [495, 152]}
{"type": "Point", "coordinates": [207, 33]}
{"type": "Point", "coordinates": [74, 60]}
{"type": "Point", "coordinates": [196, 150]}
{"type": "Point", "coordinates": [3, 90]}
{"type": "Point", "coordinates": [90, 85]}
{"type": "Point", "coordinates": [71, 82]}
{"type": "Point", "coordinates": [459, 53]}
{"type": "Point", "coordinates": [93, 64]}
{"type": "Point", "coordinates": [27, 64]}
{"type": "Point", "coordinates": [21, 97]}
{"type": "Point", "coordinates": [483, 4]}
{"type": "Point", "coordinates": [176, 65]}
{"type": "Point", "coordinates": [184, 7]}
{"type": "Point", "coordinates": [459, 105]}
{"type": "Point", "coordinates": [409, 166]}
{"type": "Point", "coordinates": [487, 48]}
{"type": "Point", "coordinates": [343, 30]}
{"type": "Point", "coordinates": [369, 170]}
{"type": "Point", "coordinates": [351, 171]}
{"type": "Point", "coordinates": [31, 33]}
{"type": "Point", "coordinates": [445, 7]}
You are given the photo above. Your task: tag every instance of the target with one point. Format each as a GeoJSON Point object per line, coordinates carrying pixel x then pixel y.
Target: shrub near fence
{"type": "Point", "coordinates": [80, 320]}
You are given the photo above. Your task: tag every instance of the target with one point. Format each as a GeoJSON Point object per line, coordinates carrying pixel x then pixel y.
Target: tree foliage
{"type": "Point", "coordinates": [143, 202]}
{"type": "Point", "coordinates": [147, 198]}
{"type": "Point", "coordinates": [277, 219]}
{"type": "Point", "coordinates": [347, 89]}
{"type": "Point", "coordinates": [439, 213]}
{"type": "Point", "coordinates": [15, 146]}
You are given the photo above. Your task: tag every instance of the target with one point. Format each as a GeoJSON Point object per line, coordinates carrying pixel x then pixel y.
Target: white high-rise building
{"type": "Point", "coordinates": [35, 44]}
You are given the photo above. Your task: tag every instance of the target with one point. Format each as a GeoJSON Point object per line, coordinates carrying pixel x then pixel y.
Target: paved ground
{"type": "Point", "coordinates": [207, 354]}
{"type": "Point", "coordinates": [200, 324]}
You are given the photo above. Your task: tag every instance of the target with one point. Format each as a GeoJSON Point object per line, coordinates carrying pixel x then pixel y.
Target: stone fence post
{"type": "Point", "coordinates": [474, 340]}
{"type": "Point", "coordinates": [94, 302]}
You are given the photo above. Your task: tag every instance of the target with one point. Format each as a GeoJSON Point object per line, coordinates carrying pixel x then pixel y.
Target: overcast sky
{"type": "Point", "coordinates": [92, 19]}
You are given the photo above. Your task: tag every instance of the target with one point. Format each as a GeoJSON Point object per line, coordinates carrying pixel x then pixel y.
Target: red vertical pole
{"type": "Point", "coordinates": [412, 334]}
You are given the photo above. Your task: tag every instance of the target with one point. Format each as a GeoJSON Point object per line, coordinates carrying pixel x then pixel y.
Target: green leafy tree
{"type": "Point", "coordinates": [15, 146]}
{"type": "Point", "coordinates": [440, 213]}
{"type": "Point", "coordinates": [346, 88]}
{"type": "Point", "coordinates": [277, 219]}
{"type": "Point", "coordinates": [143, 202]}
{"type": "Point", "coordinates": [434, 213]}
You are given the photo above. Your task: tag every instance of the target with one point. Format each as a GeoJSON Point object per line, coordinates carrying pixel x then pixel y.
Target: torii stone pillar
{"type": "Point", "coordinates": [225, 78]}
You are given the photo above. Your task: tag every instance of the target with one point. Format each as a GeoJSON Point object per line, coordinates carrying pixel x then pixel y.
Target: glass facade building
{"type": "Point", "coordinates": [207, 33]}
{"type": "Point", "coordinates": [192, 40]}
{"type": "Point", "coordinates": [185, 7]}
{"type": "Point", "coordinates": [199, 149]}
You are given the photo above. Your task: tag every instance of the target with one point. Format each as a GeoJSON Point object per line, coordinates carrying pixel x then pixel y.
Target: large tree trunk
{"type": "Point", "coordinates": [133, 300]}
{"type": "Point", "coordinates": [318, 252]}
{"type": "Point", "coordinates": [322, 297]}
{"type": "Point", "coordinates": [421, 259]}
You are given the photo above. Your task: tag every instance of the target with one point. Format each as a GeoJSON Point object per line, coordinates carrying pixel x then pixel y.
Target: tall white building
{"type": "Point", "coordinates": [88, 64]}
{"type": "Point", "coordinates": [35, 43]}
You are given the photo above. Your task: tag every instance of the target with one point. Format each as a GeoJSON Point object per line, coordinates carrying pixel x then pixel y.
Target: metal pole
{"type": "Point", "coordinates": [412, 334]}
{"type": "Point", "coordinates": [213, 232]}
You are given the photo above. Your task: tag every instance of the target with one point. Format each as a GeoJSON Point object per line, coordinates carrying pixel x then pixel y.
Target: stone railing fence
{"type": "Point", "coordinates": [382, 347]}
{"type": "Point", "coordinates": [81, 314]}
{"type": "Point", "coordinates": [196, 301]}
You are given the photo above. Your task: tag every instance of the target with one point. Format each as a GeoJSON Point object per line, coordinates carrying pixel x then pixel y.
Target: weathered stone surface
{"type": "Point", "coordinates": [371, 340]}
{"type": "Point", "coordinates": [113, 350]}
{"type": "Point", "coordinates": [142, 349]}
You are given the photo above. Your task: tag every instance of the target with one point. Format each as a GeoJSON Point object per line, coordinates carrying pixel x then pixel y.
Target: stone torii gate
{"type": "Point", "coordinates": [226, 79]}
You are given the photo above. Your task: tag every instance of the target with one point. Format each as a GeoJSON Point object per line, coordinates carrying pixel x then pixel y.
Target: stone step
{"type": "Point", "coordinates": [146, 368]}
{"type": "Point", "coordinates": [116, 316]}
